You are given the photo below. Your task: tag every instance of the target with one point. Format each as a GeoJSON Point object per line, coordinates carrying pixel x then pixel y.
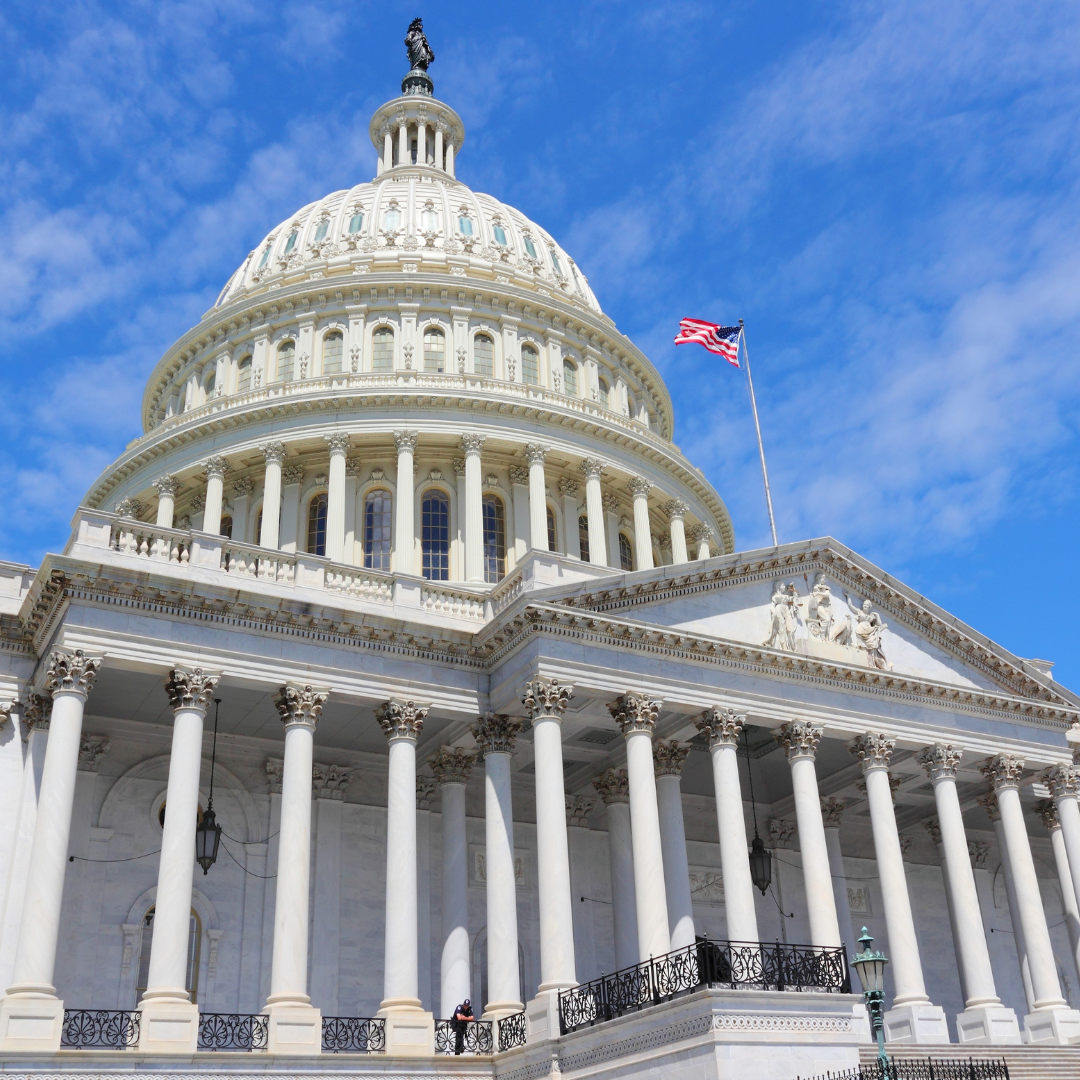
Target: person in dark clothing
{"type": "Point", "coordinates": [462, 1015]}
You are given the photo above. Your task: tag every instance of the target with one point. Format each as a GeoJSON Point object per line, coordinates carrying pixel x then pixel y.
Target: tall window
{"type": "Point", "coordinates": [243, 375]}
{"type": "Point", "coordinates": [530, 247]}
{"type": "Point", "coordinates": [435, 535]}
{"type": "Point", "coordinates": [530, 365]}
{"type": "Point", "coordinates": [434, 350]}
{"type": "Point", "coordinates": [226, 526]}
{"type": "Point", "coordinates": [483, 355]}
{"type": "Point", "coordinates": [569, 378]}
{"type": "Point", "coordinates": [626, 553]}
{"type": "Point", "coordinates": [382, 349]}
{"type": "Point", "coordinates": [465, 225]}
{"type": "Point", "coordinates": [265, 255]}
{"type": "Point", "coordinates": [494, 539]}
{"type": "Point", "coordinates": [210, 385]}
{"type": "Point", "coordinates": [356, 222]}
{"type": "Point", "coordinates": [291, 242]}
{"type": "Point", "coordinates": [331, 357]}
{"type": "Point", "coordinates": [321, 230]}
{"type": "Point", "coordinates": [377, 530]}
{"type": "Point", "coordinates": [286, 354]}
{"type": "Point", "coordinates": [392, 219]}
{"type": "Point", "coordinates": [552, 538]}
{"type": "Point", "coordinates": [316, 525]}
{"type": "Point", "coordinates": [500, 235]}
{"type": "Point", "coordinates": [583, 537]}
{"type": "Point", "coordinates": [194, 933]}
{"type": "Point", "coordinates": [605, 395]}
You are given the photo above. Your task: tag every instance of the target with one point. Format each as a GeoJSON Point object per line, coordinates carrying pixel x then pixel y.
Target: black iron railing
{"type": "Point", "coordinates": [111, 1029]}
{"type": "Point", "coordinates": [734, 965]}
{"type": "Point", "coordinates": [928, 1069]}
{"type": "Point", "coordinates": [512, 1031]}
{"type": "Point", "coordinates": [353, 1034]}
{"type": "Point", "coordinates": [463, 1037]}
{"type": "Point", "coordinates": [233, 1031]}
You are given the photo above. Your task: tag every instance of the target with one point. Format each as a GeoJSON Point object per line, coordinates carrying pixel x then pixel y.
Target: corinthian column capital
{"type": "Point", "coordinates": [1046, 809]}
{"type": "Point", "coordinates": [635, 712]}
{"type": "Point", "coordinates": [568, 488]}
{"type": "Point", "coordinates": [592, 469]}
{"type": "Point", "coordinates": [167, 486]}
{"type": "Point", "coordinates": [273, 452]}
{"type": "Point", "coordinates": [472, 444]}
{"type": "Point", "coordinates": [676, 509]}
{"type": "Point", "coordinates": [192, 689]}
{"type": "Point", "coordinates": [496, 733]}
{"type": "Point", "coordinates": [669, 757]}
{"type": "Point", "coordinates": [873, 750]}
{"type": "Point", "coordinates": [338, 442]}
{"type": "Point", "coordinates": [535, 453]}
{"type": "Point", "coordinates": [71, 673]}
{"type": "Point", "coordinates": [832, 812]}
{"type": "Point", "coordinates": [546, 698]}
{"type": "Point", "coordinates": [452, 765]}
{"type": "Point", "coordinates": [216, 466]}
{"type": "Point", "coordinates": [1063, 781]}
{"type": "Point", "coordinates": [405, 441]}
{"type": "Point", "coordinates": [1003, 771]}
{"type": "Point", "coordinates": [990, 804]}
{"type": "Point", "coordinates": [940, 760]}
{"type": "Point", "coordinates": [401, 719]}
{"type": "Point", "coordinates": [637, 486]}
{"type": "Point", "coordinates": [578, 808]}
{"type": "Point", "coordinates": [300, 705]}
{"type": "Point", "coordinates": [613, 786]}
{"type": "Point", "coordinates": [800, 738]}
{"type": "Point", "coordinates": [723, 727]}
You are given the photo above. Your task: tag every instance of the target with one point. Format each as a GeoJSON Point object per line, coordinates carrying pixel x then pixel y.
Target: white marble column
{"type": "Point", "coordinates": [568, 489]}
{"type": "Point", "coordinates": [439, 129]}
{"type": "Point", "coordinates": [800, 739]}
{"type": "Point", "coordinates": [31, 1015]}
{"type": "Point", "coordinates": [592, 470]}
{"type": "Point", "coordinates": [451, 766]}
{"type": "Point", "coordinates": [216, 468]}
{"type": "Point", "coordinates": [388, 150]}
{"type": "Point", "coordinates": [405, 517]}
{"type": "Point", "coordinates": [538, 538]}
{"type": "Point", "coordinates": [167, 487]}
{"type": "Point", "coordinates": [496, 736]}
{"type": "Point", "coordinates": [676, 511]}
{"type": "Point", "coordinates": [473, 508]}
{"type": "Point", "coordinates": [613, 787]}
{"type": "Point", "coordinates": [421, 143]}
{"type": "Point", "coordinates": [912, 1018]}
{"type": "Point", "coordinates": [274, 454]}
{"type": "Point", "coordinates": [335, 496]}
{"type": "Point", "coordinates": [640, 489]}
{"type": "Point", "coordinates": [241, 490]}
{"type": "Point", "coordinates": [1064, 784]}
{"type": "Point", "coordinates": [832, 812]}
{"type": "Point", "coordinates": [636, 716]}
{"type": "Point", "coordinates": [580, 842]}
{"type": "Point", "coordinates": [404, 157]}
{"type": "Point", "coordinates": [985, 1019]}
{"type": "Point", "coordinates": [668, 761]}
{"type": "Point", "coordinates": [1051, 1021]}
{"type": "Point", "coordinates": [1047, 811]}
{"type": "Point", "coordinates": [723, 728]}
{"type": "Point", "coordinates": [701, 535]}
{"type": "Point", "coordinates": [450, 159]}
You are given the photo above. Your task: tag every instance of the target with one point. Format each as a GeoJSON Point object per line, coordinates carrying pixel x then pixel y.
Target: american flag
{"type": "Point", "coordinates": [723, 340]}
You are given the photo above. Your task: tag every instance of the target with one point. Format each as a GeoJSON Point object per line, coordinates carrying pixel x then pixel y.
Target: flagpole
{"type": "Point", "coordinates": [757, 426]}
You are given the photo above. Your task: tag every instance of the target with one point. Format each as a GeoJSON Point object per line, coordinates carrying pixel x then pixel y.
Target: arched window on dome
{"type": "Point", "coordinates": [286, 354]}
{"type": "Point", "coordinates": [583, 536]}
{"type": "Point", "coordinates": [265, 257]}
{"type": "Point", "coordinates": [530, 365]}
{"type": "Point", "coordinates": [377, 525]}
{"type": "Point", "coordinates": [530, 247]}
{"type": "Point", "coordinates": [333, 344]}
{"type": "Point", "coordinates": [210, 384]}
{"type": "Point", "coordinates": [483, 356]}
{"type": "Point", "coordinates": [356, 222]}
{"type": "Point", "coordinates": [392, 218]}
{"type": "Point", "coordinates": [316, 525]}
{"type": "Point", "coordinates": [626, 552]}
{"type": "Point", "coordinates": [555, 263]}
{"type": "Point", "coordinates": [465, 225]}
{"type": "Point", "coordinates": [382, 349]}
{"type": "Point", "coordinates": [435, 535]}
{"type": "Point", "coordinates": [192, 966]}
{"type": "Point", "coordinates": [291, 242]}
{"type": "Point", "coordinates": [243, 375]}
{"type": "Point", "coordinates": [429, 219]}
{"type": "Point", "coordinates": [500, 235]}
{"type": "Point", "coordinates": [553, 539]}
{"type": "Point", "coordinates": [605, 394]}
{"type": "Point", "coordinates": [569, 376]}
{"type": "Point", "coordinates": [321, 230]}
{"type": "Point", "coordinates": [434, 350]}
{"type": "Point", "coordinates": [494, 539]}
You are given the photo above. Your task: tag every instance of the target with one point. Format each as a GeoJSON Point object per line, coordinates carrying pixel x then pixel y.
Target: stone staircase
{"type": "Point", "coordinates": [1025, 1062]}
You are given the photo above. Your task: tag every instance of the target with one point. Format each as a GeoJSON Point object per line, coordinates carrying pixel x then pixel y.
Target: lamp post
{"type": "Point", "coordinates": [871, 968]}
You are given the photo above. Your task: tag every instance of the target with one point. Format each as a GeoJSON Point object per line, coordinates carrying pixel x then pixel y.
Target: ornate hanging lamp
{"type": "Point", "coordinates": [760, 859]}
{"type": "Point", "coordinates": [208, 831]}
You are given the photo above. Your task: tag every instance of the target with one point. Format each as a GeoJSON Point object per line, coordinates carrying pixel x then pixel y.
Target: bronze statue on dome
{"type": "Point", "coordinates": [416, 44]}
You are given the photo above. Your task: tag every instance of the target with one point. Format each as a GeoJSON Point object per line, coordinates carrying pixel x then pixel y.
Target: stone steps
{"type": "Point", "coordinates": [1025, 1062]}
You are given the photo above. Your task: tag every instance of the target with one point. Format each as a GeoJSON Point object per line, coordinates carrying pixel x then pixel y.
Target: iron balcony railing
{"type": "Point", "coordinates": [100, 1029]}
{"type": "Point", "coordinates": [930, 1069]}
{"type": "Point", "coordinates": [463, 1037]}
{"type": "Point", "coordinates": [233, 1031]}
{"type": "Point", "coordinates": [353, 1034]}
{"type": "Point", "coordinates": [731, 965]}
{"type": "Point", "coordinates": [512, 1031]}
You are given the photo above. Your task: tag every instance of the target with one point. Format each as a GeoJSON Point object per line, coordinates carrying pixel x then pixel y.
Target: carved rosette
{"type": "Point", "coordinates": [639, 488]}
{"type": "Point", "coordinates": [519, 475]}
{"type": "Point", "coordinates": [167, 486]}
{"type": "Point", "coordinates": [832, 812]}
{"type": "Point", "coordinates": [800, 739]}
{"type": "Point", "coordinates": [940, 760]}
{"type": "Point", "coordinates": [978, 853]}
{"type": "Point", "coordinates": [535, 453]}
{"type": "Point", "coordinates": [578, 808]}
{"type": "Point", "coordinates": [676, 509]}
{"type": "Point", "coordinates": [472, 444]}
{"type": "Point", "coordinates": [568, 488]}
{"type": "Point", "coordinates": [37, 712]}
{"type": "Point", "coordinates": [1003, 771]}
{"type": "Point", "coordinates": [613, 786]}
{"type": "Point", "coordinates": [405, 441]}
{"type": "Point", "coordinates": [190, 689]}
{"type": "Point", "coordinates": [338, 443]}
{"type": "Point", "coordinates": [1047, 811]}
{"type": "Point", "coordinates": [216, 466]}
{"type": "Point", "coordinates": [71, 673]}
{"type": "Point", "coordinates": [669, 757]}
{"type": "Point", "coordinates": [92, 751]}
{"type": "Point", "coordinates": [275, 770]}
{"type": "Point", "coordinates": [635, 712]}
{"type": "Point", "coordinates": [401, 719]}
{"type": "Point", "coordinates": [723, 727]}
{"type": "Point", "coordinates": [273, 452]}
{"type": "Point", "coordinates": [873, 750]}
{"type": "Point", "coordinates": [546, 699]}
{"type": "Point", "coordinates": [292, 476]}
{"type": "Point", "coordinates": [933, 829]}
{"type": "Point", "coordinates": [452, 765]}
{"type": "Point", "coordinates": [300, 705]}
{"type": "Point", "coordinates": [1063, 781]}
{"type": "Point", "coordinates": [496, 733]}
{"type": "Point", "coordinates": [990, 804]}
{"type": "Point", "coordinates": [592, 468]}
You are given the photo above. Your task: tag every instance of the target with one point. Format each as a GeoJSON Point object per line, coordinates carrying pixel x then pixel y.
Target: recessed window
{"type": "Point", "coordinates": [626, 552]}
{"type": "Point", "coordinates": [605, 394]}
{"type": "Point", "coordinates": [552, 545]}
{"type": "Point", "coordinates": [530, 365]}
{"type": "Point", "coordinates": [265, 255]}
{"type": "Point", "coordinates": [555, 262]}
{"type": "Point", "coordinates": [429, 220]}
{"type": "Point", "coordinates": [226, 526]}
{"type": "Point", "coordinates": [569, 376]}
{"type": "Point", "coordinates": [434, 350]}
{"type": "Point", "coordinates": [243, 375]}
{"type": "Point", "coordinates": [321, 230]}
{"type": "Point", "coordinates": [211, 384]}
{"type": "Point", "coordinates": [465, 226]}
{"type": "Point", "coordinates": [392, 219]}
{"type": "Point", "coordinates": [382, 349]}
{"type": "Point", "coordinates": [583, 536]}
{"type": "Point", "coordinates": [530, 247]}
{"type": "Point", "coordinates": [500, 235]}
{"type": "Point", "coordinates": [316, 525]}
{"type": "Point", "coordinates": [333, 344]}
{"type": "Point", "coordinates": [377, 530]}
{"type": "Point", "coordinates": [494, 539]}
{"type": "Point", "coordinates": [483, 355]}
{"type": "Point", "coordinates": [356, 222]}
{"type": "Point", "coordinates": [435, 535]}
{"type": "Point", "coordinates": [286, 354]}
{"type": "Point", "coordinates": [192, 967]}
{"type": "Point", "coordinates": [291, 242]}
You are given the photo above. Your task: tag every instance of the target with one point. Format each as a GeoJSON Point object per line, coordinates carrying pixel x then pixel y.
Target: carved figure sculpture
{"type": "Point", "coordinates": [783, 617]}
{"type": "Point", "coordinates": [868, 629]}
{"type": "Point", "coordinates": [822, 620]}
{"type": "Point", "coordinates": [416, 44]}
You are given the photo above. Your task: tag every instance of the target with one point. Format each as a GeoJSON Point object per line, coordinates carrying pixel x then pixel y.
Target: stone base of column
{"type": "Point", "coordinates": [31, 1023]}
{"type": "Point", "coordinates": [1052, 1027]}
{"type": "Point", "coordinates": [496, 1010]}
{"type": "Point", "coordinates": [294, 1029]}
{"type": "Point", "coordinates": [542, 1017]}
{"type": "Point", "coordinates": [168, 1026]}
{"type": "Point", "coordinates": [989, 1025]}
{"type": "Point", "coordinates": [410, 1032]}
{"type": "Point", "coordinates": [924, 1024]}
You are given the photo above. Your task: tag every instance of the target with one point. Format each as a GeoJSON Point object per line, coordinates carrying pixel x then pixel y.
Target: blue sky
{"type": "Point", "coordinates": [886, 193]}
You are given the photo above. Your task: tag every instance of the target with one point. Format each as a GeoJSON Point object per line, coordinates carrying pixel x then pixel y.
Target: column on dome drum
{"type": "Point", "coordinates": [404, 518]}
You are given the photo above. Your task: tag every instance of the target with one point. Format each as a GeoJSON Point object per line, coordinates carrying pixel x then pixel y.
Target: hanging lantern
{"type": "Point", "coordinates": [208, 831]}
{"type": "Point", "coordinates": [760, 865]}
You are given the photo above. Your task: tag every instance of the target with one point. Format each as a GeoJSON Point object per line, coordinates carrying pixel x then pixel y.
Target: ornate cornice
{"type": "Point", "coordinates": [546, 699]}
{"type": "Point", "coordinates": [800, 739]}
{"type": "Point", "coordinates": [1004, 771]}
{"type": "Point", "coordinates": [71, 673]}
{"type": "Point", "coordinates": [832, 812]}
{"type": "Point", "coordinates": [401, 719]}
{"type": "Point", "coordinates": [300, 705]}
{"type": "Point", "coordinates": [722, 727]}
{"type": "Point", "coordinates": [613, 786]}
{"type": "Point", "coordinates": [452, 765]}
{"type": "Point", "coordinates": [496, 733]}
{"type": "Point", "coordinates": [1063, 781]}
{"type": "Point", "coordinates": [873, 750]}
{"type": "Point", "coordinates": [634, 712]}
{"type": "Point", "coordinates": [940, 760]}
{"type": "Point", "coordinates": [669, 757]}
{"type": "Point", "coordinates": [190, 689]}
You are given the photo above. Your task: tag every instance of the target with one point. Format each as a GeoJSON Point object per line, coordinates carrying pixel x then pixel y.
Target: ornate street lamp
{"type": "Point", "coordinates": [760, 859]}
{"type": "Point", "coordinates": [208, 831]}
{"type": "Point", "coordinates": [871, 968]}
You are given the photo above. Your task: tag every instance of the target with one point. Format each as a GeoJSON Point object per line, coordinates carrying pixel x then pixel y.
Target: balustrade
{"type": "Point", "coordinates": [99, 1029]}
{"type": "Point", "coordinates": [233, 1031]}
{"type": "Point", "coordinates": [353, 1034]}
{"type": "Point", "coordinates": [512, 1031]}
{"type": "Point", "coordinates": [464, 1037]}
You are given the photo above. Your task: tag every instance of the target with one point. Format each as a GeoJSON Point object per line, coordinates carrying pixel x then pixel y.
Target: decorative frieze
{"type": "Point", "coordinates": [873, 750]}
{"type": "Point", "coordinates": [669, 757]}
{"type": "Point", "coordinates": [832, 812]}
{"type": "Point", "coordinates": [496, 733]}
{"type": "Point", "coordinates": [401, 719]}
{"type": "Point", "coordinates": [940, 760]}
{"type": "Point", "coordinates": [722, 727]}
{"type": "Point", "coordinates": [635, 712]}
{"type": "Point", "coordinates": [92, 751]}
{"type": "Point", "coordinates": [300, 704]}
{"type": "Point", "coordinates": [1047, 812]}
{"type": "Point", "coordinates": [1063, 781]}
{"type": "Point", "coordinates": [800, 739]}
{"type": "Point", "coordinates": [578, 808]}
{"type": "Point", "coordinates": [546, 698]}
{"type": "Point", "coordinates": [1003, 771]}
{"type": "Point", "coordinates": [330, 781]}
{"type": "Point", "coordinates": [613, 786]}
{"type": "Point", "coordinates": [190, 689]}
{"type": "Point", "coordinates": [452, 765]}
{"type": "Point", "coordinates": [71, 672]}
